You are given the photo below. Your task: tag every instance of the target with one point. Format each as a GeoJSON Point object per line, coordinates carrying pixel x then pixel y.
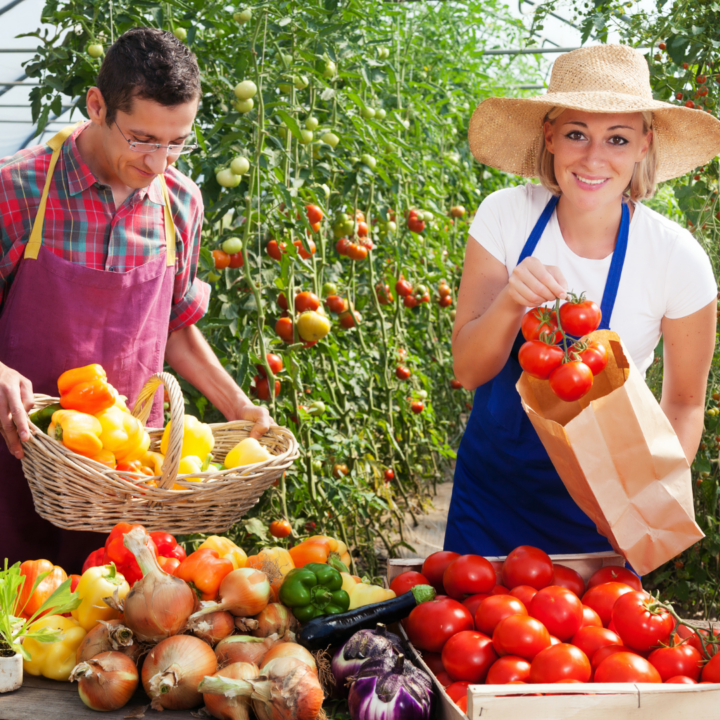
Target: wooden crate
{"type": "Point", "coordinates": [622, 701]}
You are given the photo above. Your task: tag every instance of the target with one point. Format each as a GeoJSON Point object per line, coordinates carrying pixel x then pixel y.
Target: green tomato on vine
{"type": "Point", "coordinates": [243, 16]}
{"type": "Point", "coordinates": [227, 178]}
{"type": "Point", "coordinates": [232, 245]}
{"type": "Point", "coordinates": [311, 122]}
{"type": "Point", "coordinates": [330, 139]}
{"type": "Point", "coordinates": [95, 50]}
{"type": "Point", "coordinates": [180, 33]}
{"type": "Point", "coordinates": [244, 106]}
{"type": "Point", "coordinates": [240, 165]}
{"type": "Point", "coordinates": [245, 90]}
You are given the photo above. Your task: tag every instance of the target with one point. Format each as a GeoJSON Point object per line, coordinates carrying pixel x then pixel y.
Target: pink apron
{"type": "Point", "coordinates": [57, 316]}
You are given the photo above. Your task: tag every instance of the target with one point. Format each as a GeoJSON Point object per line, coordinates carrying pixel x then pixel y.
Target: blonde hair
{"type": "Point", "coordinates": [642, 183]}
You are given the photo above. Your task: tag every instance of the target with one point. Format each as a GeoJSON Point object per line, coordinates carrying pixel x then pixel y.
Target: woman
{"type": "Point", "coordinates": [598, 142]}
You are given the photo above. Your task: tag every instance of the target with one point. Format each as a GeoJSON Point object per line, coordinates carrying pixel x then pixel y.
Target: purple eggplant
{"type": "Point", "coordinates": [390, 688]}
{"type": "Point", "coordinates": [364, 644]}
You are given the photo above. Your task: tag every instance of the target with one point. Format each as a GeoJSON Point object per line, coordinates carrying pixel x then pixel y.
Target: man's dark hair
{"type": "Point", "coordinates": [147, 63]}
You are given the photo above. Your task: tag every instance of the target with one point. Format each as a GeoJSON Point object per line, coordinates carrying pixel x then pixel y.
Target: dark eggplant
{"type": "Point", "coordinates": [332, 630]}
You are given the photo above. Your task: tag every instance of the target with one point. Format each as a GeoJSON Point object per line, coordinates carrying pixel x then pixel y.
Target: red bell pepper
{"type": "Point", "coordinates": [169, 564]}
{"type": "Point", "coordinates": [94, 559]}
{"type": "Point", "coordinates": [168, 546]}
{"type": "Point", "coordinates": [204, 570]}
{"type": "Point", "coordinates": [124, 560]}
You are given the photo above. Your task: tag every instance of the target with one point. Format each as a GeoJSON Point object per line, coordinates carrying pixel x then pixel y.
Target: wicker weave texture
{"type": "Point", "coordinates": [76, 493]}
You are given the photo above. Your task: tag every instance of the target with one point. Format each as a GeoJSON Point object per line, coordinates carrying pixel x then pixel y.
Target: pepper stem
{"type": "Point", "coordinates": [423, 593]}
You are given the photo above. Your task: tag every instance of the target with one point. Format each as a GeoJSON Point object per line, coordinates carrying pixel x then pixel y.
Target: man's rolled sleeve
{"type": "Point", "coordinates": [191, 307]}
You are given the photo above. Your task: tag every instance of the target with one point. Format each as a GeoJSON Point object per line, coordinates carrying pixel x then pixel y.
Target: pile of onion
{"type": "Point", "coordinates": [159, 605]}
{"type": "Point", "coordinates": [288, 649]}
{"type": "Point", "coordinates": [236, 707]}
{"type": "Point", "coordinates": [244, 649]}
{"type": "Point", "coordinates": [107, 681]}
{"type": "Point", "coordinates": [288, 688]}
{"type": "Point", "coordinates": [214, 627]}
{"type": "Point", "coordinates": [244, 592]}
{"type": "Point", "coordinates": [173, 669]}
{"type": "Point", "coordinates": [275, 619]}
{"type": "Point", "coordinates": [108, 636]}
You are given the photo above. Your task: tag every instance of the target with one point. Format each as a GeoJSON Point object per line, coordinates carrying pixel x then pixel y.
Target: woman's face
{"type": "Point", "coordinates": [595, 154]}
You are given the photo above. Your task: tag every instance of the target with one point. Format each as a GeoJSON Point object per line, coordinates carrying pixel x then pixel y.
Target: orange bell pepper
{"type": "Point", "coordinates": [321, 549]}
{"type": "Point", "coordinates": [168, 564]}
{"type": "Point", "coordinates": [135, 466]}
{"type": "Point", "coordinates": [86, 389]}
{"type": "Point", "coordinates": [276, 563]}
{"type": "Point", "coordinates": [204, 570]}
{"type": "Point", "coordinates": [77, 431]}
{"type": "Point", "coordinates": [30, 601]}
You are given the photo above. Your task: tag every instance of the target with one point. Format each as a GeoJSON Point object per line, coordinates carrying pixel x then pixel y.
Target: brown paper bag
{"type": "Point", "coordinates": [620, 459]}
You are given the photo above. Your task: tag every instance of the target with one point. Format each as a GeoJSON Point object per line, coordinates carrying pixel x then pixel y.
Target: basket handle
{"type": "Point", "coordinates": [141, 411]}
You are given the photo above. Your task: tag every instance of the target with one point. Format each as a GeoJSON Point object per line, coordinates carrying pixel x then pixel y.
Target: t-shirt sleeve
{"type": "Point", "coordinates": [486, 226]}
{"type": "Point", "coordinates": [690, 279]}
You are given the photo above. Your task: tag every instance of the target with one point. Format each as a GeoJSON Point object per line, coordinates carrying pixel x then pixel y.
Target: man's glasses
{"type": "Point", "coordinates": [142, 147]}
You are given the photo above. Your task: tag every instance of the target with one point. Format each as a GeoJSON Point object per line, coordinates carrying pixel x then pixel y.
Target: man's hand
{"type": "Point", "coordinates": [259, 415]}
{"type": "Point", "coordinates": [16, 398]}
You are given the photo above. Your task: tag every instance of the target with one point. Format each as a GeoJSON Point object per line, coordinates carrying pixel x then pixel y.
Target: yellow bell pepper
{"type": "Point", "coordinates": [95, 584]}
{"type": "Point", "coordinates": [246, 452]}
{"type": "Point", "coordinates": [153, 460]}
{"type": "Point", "coordinates": [226, 549]}
{"type": "Point", "coordinates": [363, 594]}
{"type": "Point", "coordinates": [188, 465]}
{"type": "Point", "coordinates": [77, 431]}
{"type": "Point", "coordinates": [123, 434]}
{"type": "Point", "coordinates": [349, 582]}
{"type": "Point", "coordinates": [54, 660]}
{"type": "Point", "coordinates": [105, 457]}
{"type": "Point", "coordinates": [197, 438]}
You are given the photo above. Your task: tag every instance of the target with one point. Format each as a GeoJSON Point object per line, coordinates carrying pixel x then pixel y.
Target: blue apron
{"type": "Point", "coordinates": [506, 491]}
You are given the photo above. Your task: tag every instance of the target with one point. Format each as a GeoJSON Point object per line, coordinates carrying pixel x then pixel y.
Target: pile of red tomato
{"type": "Point", "coordinates": [527, 620]}
{"type": "Point", "coordinates": [550, 354]}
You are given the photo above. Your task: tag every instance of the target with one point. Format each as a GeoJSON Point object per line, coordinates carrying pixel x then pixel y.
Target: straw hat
{"type": "Point", "coordinates": [506, 133]}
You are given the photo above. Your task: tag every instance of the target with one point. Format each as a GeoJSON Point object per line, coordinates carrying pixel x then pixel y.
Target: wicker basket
{"type": "Point", "coordinates": [76, 493]}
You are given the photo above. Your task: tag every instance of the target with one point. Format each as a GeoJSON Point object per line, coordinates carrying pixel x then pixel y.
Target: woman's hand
{"type": "Point", "coordinates": [532, 283]}
{"type": "Point", "coordinates": [16, 398]}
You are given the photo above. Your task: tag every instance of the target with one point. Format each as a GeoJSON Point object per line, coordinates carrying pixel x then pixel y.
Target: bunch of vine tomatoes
{"type": "Point", "coordinates": [557, 350]}
{"type": "Point", "coordinates": [529, 620]}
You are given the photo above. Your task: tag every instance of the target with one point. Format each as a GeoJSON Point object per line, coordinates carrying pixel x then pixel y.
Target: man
{"type": "Point", "coordinates": [87, 276]}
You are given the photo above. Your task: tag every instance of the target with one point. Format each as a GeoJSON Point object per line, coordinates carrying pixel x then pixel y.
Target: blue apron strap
{"type": "Point", "coordinates": [613, 279]}
{"type": "Point", "coordinates": [538, 230]}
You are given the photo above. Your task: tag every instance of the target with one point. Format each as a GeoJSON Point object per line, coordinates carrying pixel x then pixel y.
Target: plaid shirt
{"type": "Point", "coordinates": [83, 226]}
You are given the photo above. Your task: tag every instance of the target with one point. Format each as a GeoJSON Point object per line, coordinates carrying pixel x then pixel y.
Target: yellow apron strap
{"type": "Point", "coordinates": [33, 246]}
{"type": "Point", "coordinates": [169, 226]}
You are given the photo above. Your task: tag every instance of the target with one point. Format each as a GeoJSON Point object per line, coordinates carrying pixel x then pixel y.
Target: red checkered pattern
{"type": "Point", "coordinates": [83, 226]}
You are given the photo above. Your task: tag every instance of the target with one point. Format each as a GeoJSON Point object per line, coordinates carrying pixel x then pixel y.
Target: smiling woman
{"type": "Point", "coordinates": [598, 142]}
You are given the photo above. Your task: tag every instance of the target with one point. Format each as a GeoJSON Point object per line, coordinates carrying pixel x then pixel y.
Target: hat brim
{"type": "Point", "coordinates": [506, 133]}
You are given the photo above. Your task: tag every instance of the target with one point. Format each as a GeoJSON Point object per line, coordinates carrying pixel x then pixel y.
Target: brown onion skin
{"type": "Point", "coordinates": [118, 684]}
{"type": "Point", "coordinates": [275, 618]}
{"type": "Point", "coordinates": [98, 641]}
{"type": "Point", "coordinates": [302, 702]}
{"type": "Point", "coordinates": [243, 648]}
{"type": "Point", "coordinates": [158, 605]}
{"type": "Point", "coordinates": [247, 607]}
{"type": "Point", "coordinates": [190, 658]}
{"type": "Point", "coordinates": [236, 708]}
{"type": "Point", "coordinates": [289, 649]}
{"type": "Point", "coordinates": [221, 625]}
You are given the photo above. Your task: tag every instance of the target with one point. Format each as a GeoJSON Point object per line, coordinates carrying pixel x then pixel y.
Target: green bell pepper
{"type": "Point", "coordinates": [314, 590]}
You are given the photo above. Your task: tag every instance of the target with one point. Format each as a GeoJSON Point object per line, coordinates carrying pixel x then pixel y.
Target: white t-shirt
{"type": "Point", "coordinates": [666, 272]}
